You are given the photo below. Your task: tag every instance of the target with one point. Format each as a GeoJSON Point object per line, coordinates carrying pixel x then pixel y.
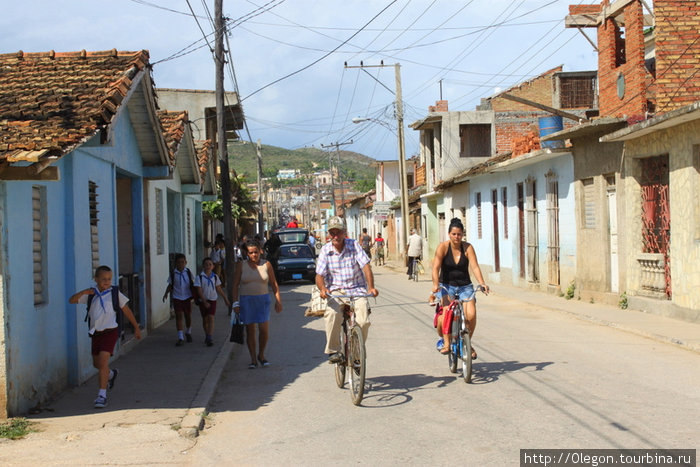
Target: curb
{"type": "Point", "coordinates": [193, 421]}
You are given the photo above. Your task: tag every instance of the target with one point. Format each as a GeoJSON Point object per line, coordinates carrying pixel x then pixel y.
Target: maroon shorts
{"type": "Point", "coordinates": [182, 306]}
{"type": "Point", "coordinates": [208, 311]}
{"type": "Point", "coordinates": [104, 341]}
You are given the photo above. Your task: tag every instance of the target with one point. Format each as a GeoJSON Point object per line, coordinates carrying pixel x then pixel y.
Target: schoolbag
{"type": "Point", "coordinates": [115, 305]}
{"type": "Point", "coordinates": [192, 289]}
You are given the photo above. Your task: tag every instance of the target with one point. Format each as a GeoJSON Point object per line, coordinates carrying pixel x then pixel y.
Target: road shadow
{"type": "Point", "coordinates": [390, 391]}
{"type": "Point", "coordinates": [488, 372]}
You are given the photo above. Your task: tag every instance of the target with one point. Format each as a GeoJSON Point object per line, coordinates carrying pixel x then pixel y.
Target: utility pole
{"type": "Point", "coordinates": [402, 149]}
{"type": "Point", "coordinates": [261, 221]}
{"type": "Point", "coordinates": [221, 142]}
{"type": "Point", "coordinates": [340, 176]}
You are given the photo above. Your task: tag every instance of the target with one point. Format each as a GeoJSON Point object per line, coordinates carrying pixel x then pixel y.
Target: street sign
{"type": "Point", "coordinates": [382, 208]}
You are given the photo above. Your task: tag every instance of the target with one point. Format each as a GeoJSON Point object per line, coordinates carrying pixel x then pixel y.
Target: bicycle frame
{"type": "Point", "coordinates": [353, 349]}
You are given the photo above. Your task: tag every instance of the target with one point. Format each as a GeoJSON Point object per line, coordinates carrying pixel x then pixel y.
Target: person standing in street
{"type": "Point", "coordinates": [252, 300]}
{"type": "Point", "coordinates": [342, 266]}
{"type": "Point", "coordinates": [379, 243]}
{"type": "Point", "coordinates": [366, 242]}
{"type": "Point", "coordinates": [414, 250]}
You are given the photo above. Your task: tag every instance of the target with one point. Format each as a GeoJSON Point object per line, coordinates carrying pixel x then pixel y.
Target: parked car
{"type": "Point", "coordinates": [295, 261]}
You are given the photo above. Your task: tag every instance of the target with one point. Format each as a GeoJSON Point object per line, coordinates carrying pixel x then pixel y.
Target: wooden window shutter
{"type": "Point", "coordinates": [38, 244]}
{"type": "Point", "coordinates": [94, 231]}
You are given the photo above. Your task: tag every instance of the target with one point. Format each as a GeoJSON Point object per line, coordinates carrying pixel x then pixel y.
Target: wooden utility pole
{"type": "Point", "coordinates": [221, 144]}
{"type": "Point", "coordinates": [402, 148]}
{"type": "Point", "coordinates": [261, 221]}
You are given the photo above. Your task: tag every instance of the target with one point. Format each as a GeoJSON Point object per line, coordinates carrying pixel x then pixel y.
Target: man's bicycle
{"type": "Point", "coordinates": [352, 348]}
{"type": "Point", "coordinates": [460, 345]}
{"type": "Point", "coordinates": [416, 269]}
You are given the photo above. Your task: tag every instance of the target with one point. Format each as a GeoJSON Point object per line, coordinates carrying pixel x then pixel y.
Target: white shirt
{"type": "Point", "coordinates": [102, 313]}
{"type": "Point", "coordinates": [208, 285]}
{"type": "Point", "coordinates": [181, 288]}
{"type": "Point", "coordinates": [415, 245]}
{"type": "Point", "coordinates": [218, 256]}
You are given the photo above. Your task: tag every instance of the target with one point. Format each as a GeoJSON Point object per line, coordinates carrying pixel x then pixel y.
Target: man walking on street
{"type": "Point", "coordinates": [414, 250]}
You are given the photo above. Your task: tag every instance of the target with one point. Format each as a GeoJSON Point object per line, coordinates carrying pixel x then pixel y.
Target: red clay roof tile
{"type": "Point", "coordinates": [55, 101]}
{"type": "Point", "coordinates": [173, 130]}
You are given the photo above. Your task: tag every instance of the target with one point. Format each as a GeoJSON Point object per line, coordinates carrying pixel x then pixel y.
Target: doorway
{"type": "Point", "coordinates": [533, 272]}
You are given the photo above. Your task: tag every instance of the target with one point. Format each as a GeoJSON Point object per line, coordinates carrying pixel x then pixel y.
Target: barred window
{"type": "Point", "coordinates": [94, 237]}
{"type": "Point", "coordinates": [588, 199]}
{"type": "Point", "coordinates": [160, 240]}
{"type": "Point", "coordinates": [189, 233]}
{"type": "Point", "coordinates": [478, 216]}
{"type": "Point", "coordinates": [504, 197]}
{"type": "Point", "coordinates": [39, 244]}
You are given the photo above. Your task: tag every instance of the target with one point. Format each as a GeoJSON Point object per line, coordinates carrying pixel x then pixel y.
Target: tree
{"type": "Point", "coordinates": [242, 205]}
{"type": "Point", "coordinates": [364, 185]}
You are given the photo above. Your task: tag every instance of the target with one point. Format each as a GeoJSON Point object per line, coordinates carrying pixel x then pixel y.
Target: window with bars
{"type": "Point", "coordinates": [39, 223]}
{"type": "Point", "coordinates": [504, 197]}
{"type": "Point", "coordinates": [478, 216]}
{"type": "Point", "coordinates": [577, 92]}
{"type": "Point", "coordinates": [160, 240]}
{"type": "Point", "coordinates": [588, 201]}
{"type": "Point", "coordinates": [189, 232]}
{"type": "Point", "coordinates": [94, 236]}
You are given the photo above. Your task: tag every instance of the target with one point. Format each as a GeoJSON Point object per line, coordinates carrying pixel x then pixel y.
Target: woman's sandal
{"type": "Point", "coordinates": [252, 366]}
{"type": "Point", "coordinates": [263, 362]}
{"type": "Point", "coordinates": [445, 350]}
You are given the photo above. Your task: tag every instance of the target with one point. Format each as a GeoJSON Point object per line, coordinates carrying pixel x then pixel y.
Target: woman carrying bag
{"type": "Point", "coordinates": [252, 300]}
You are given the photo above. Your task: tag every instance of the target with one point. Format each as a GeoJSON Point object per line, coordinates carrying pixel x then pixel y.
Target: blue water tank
{"type": "Point", "coordinates": [549, 125]}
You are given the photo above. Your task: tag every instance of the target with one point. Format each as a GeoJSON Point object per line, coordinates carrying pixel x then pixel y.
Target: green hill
{"type": "Point", "coordinates": [355, 167]}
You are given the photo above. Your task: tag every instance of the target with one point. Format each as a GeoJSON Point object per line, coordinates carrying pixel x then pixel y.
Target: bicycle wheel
{"type": "Point", "coordinates": [356, 361]}
{"type": "Point", "coordinates": [340, 367]}
{"type": "Point", "coordinates": [466, 350]}
{"type": "Point", "coordinates": [455, 345]}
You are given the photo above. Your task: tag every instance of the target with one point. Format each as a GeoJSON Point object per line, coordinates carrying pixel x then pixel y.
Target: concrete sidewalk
{"type": "Point", "coordinates": [173, 384]}
{"type": "Point", "coordinates": [660, 328]}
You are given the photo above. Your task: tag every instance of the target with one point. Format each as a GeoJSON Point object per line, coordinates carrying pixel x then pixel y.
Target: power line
{"type": "Point", "coordinates": [321, 58]}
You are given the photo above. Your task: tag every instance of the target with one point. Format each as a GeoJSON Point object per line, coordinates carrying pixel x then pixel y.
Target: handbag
{"type": "Point", "coordinates": [237, 329]}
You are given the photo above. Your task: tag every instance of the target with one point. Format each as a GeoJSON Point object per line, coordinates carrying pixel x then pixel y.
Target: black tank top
{"type": "Point", "coordinates": [455, 274]}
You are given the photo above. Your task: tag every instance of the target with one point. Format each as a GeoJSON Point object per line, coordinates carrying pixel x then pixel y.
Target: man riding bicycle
{"type": "Point", "coordinates": [343, 266]}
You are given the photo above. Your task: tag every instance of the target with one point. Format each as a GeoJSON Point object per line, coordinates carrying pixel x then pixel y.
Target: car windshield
{"type": "Point", "coordinates": [293, 237]}
{"type": "Point", "coordinates": [295, 251]}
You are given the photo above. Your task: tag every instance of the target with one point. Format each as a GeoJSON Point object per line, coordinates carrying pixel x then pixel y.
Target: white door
{"type": "Point", "coordinates": [612, 226]}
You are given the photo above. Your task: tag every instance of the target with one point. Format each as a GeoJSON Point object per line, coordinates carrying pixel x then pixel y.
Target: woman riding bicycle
{"type": "Point", "coordinates": [451, 271]}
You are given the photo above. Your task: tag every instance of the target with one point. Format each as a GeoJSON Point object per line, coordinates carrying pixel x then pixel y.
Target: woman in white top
{"type": "Point", "coordinates": [252, 299]}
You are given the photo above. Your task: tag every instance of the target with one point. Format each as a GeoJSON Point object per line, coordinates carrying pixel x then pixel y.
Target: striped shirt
{"type": "Point", "coordinates": [343, 270]}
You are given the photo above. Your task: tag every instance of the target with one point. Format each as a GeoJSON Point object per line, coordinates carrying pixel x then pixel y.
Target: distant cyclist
{"type": "Point", "coordinates": [453, 259]}
{"type": "Point", "coordinates": [414, 250]}
{"type": "Point", "coordinates": [343, 267]}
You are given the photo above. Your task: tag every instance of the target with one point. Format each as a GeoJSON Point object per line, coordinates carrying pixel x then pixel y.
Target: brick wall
{"type": "Point", "coordinates": [539, 89]}
{"type": "Point", "coordinates": [634, 102]}
{"type": "Point", "coordinates": [677, 53]}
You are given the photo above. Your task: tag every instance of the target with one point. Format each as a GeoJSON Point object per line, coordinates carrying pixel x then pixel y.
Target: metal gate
{"type": "Point", "coordinates": [533, 268]}
{"type": "Point", "coordinates": [656, 220]}
{"type": "Point", "coordinates": [553, 229]}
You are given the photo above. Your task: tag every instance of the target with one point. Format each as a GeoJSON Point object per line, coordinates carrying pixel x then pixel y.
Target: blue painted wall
{"type": "Point", "coordinates": [47, 346]}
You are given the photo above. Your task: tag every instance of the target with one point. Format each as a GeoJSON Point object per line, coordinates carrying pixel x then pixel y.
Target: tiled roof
{"type": "Point", "coordinates": [173, 130]}
{"type": "Point", "coordinates": [204, 152]}
{"type": "Point", "coordinates": [53, 102]}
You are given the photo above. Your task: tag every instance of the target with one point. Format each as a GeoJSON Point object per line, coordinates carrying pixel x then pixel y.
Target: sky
{"type": "Point", "coordinates": [474, 48]}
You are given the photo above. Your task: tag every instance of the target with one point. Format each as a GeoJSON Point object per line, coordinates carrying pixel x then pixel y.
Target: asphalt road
{"type": "Point", "coordinates": [542, 380]}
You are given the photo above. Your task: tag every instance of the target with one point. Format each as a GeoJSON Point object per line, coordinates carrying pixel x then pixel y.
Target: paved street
{"type": "Point", "coordinates": [543, 380]}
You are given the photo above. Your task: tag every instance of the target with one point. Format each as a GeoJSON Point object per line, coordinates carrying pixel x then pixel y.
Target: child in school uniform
{"type": "Point", "coordinates": [180, 287]}
{"type": "Point", "coordinates": [104, 329]}
{"type": "Point", "coordinates": [208, 284]}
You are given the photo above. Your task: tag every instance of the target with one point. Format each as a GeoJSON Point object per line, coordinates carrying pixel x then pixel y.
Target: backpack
{"type": "Point", "coordinates": [115, 305]}
{"type": "Point", "coordinates": [197, 301]}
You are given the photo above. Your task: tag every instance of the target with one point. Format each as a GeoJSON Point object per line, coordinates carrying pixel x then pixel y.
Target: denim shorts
{"type": "Point", "coordinates": [465, 293]}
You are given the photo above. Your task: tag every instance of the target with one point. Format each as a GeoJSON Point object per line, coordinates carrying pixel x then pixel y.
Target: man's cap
{"type": "Point", "coordinates": [336, 222]}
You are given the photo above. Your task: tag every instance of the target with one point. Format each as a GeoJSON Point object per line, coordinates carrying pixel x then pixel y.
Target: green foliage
{"type": "Point", "coordinates": [243, 157]}
{"type": "Point", "coordinates": [15, 428]}
{"type": "Point", "coordinates": [363, 186]}
{"type": "Point", "coordinates": [570, 291]}
{"type": "Point", "coordinates": [242, 204]}
{"type": "Point", "coordinates": [623, 301]}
